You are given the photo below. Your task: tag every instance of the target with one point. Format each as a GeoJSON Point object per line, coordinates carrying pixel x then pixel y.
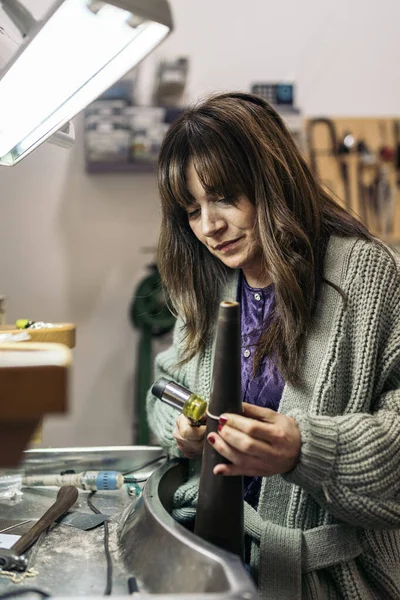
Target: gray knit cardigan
{"type": "Point", "coordinates": [330, 528]}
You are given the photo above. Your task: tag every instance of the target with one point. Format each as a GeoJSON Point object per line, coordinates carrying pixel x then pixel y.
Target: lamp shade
{"type": "Point", "coordinates": [78, 50]}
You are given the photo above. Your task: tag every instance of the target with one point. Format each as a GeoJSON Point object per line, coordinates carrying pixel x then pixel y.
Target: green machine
{"type": "Point", "coordinates": [149, 313]}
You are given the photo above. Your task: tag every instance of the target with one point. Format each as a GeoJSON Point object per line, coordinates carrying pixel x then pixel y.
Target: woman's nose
{"type": "Point", "coordinates": [211, 223]}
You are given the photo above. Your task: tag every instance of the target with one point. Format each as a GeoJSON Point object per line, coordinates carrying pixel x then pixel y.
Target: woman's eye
{"type": "Point", "coordinates": [224, 200]}
{"type": "Point", "coordinates": [193, 213]}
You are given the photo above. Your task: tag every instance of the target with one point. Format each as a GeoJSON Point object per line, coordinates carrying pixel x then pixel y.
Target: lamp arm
{"type": "Point", "coordinates": [64, 137]}
{"type": "Point", "coordinates": [19, 15]}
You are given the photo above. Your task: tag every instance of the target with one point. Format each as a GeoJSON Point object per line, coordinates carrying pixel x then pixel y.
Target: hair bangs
{"type": "Point", "coordinates": [172, 174]}
{"type": "Point", "coordinates": [213, 175]}
{"type": "Point", "coordinates": [213, 155]}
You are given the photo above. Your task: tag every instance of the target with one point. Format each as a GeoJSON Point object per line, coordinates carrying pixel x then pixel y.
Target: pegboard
{"type": "Point", "coordinates": [366, 183]}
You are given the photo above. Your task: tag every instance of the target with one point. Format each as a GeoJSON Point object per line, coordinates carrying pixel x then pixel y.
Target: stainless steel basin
{"type": "Point", "coordinates": [169, 559]}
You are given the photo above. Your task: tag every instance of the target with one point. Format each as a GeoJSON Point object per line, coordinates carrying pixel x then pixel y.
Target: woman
{"type": "Point", "coordinates": [319, 440]}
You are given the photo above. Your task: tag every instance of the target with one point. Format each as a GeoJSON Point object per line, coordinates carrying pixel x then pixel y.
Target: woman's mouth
{"type": "Point", "coordinates": [226, 246]}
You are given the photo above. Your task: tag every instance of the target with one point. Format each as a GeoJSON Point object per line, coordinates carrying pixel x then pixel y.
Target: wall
{"type": "Point", "coordinates": [72, 245]}
{"type": "Point", "coordinates": [73, 249]}
{"type": "Point", "coordinates": [341, 54]}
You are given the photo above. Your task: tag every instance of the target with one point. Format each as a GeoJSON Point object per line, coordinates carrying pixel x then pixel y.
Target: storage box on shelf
{"type": "Point", "coordinates": [123, 138]}
{"type": "Point", "coordinates": [107, 131]}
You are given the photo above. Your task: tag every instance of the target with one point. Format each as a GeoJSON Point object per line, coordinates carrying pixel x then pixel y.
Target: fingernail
{"type": "Point", "coordinates": [219, 427]}
{"type": "Point", "coordinates": [222, 421]}
{"type": "Point", "coordinates": [211, 439]}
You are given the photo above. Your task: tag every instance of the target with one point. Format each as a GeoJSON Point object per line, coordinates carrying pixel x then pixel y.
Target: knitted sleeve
{"type": "Point", "coordinates": [161, 417]}
{"type": "Point", "coordinates": [350, 463]}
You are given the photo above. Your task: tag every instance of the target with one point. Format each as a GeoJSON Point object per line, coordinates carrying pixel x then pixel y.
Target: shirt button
{"type": "Point", "coordinates": [246, 353]}
{"type": "Point", "coordinates": [257, 296]}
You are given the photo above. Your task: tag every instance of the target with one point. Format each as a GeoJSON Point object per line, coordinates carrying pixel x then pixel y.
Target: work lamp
{"type": "Point", "coordinates": [66, 60]}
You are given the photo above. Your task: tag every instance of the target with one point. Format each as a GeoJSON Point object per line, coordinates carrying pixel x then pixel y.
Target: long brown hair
{"type": "Point", "coordinates": [239, 145]}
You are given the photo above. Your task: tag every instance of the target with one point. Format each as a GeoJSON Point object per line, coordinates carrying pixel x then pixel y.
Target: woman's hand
{"type": "Point", "coordinates": [259, 443]}
{"type": "Point", "coordinates": [190, 440]}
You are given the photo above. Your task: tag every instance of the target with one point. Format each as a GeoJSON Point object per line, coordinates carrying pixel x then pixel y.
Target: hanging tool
{"type": "Point", "coordinates": [386, 152]}
{"type": "Point", "coordinates": [396, 131]}
{"type": "Point", "coordinates": [336, 151]}
{"type": "Point", "coordinates": [366, 174]}
{"type": "Point", "coordinates": [13, 559]}
{"type": "Point", "coordinates": [365, 155]}
{"type": "Point", "coordinates": [384, 198]}
{"type": "Point", "coordinates": [376, 197]}
{"type": "Point", "coordinates": [313, 151]}
{"type": "Point", "coordinates": [366, 168]}
{"type": "Point", "coordinates": [347, 145]}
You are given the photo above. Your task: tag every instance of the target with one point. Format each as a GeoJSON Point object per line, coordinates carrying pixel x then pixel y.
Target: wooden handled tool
{"type": "Point", "coordinates": [13, 558]}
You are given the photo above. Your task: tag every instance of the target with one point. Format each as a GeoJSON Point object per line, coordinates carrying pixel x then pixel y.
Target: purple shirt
{"type": "Point", "coordinates": [256, 305]}
{"type": "Point", "coordinates": [265, 389]}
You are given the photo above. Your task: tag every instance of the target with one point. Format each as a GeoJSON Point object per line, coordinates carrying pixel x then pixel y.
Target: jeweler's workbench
{"type": "Point", "coordinates": [146, 546]}
{"type": "Point", "coordinates": [69, 561]}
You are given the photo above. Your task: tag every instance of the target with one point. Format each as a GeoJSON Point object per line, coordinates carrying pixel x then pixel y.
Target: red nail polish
{"type": "Point", "coordinates": [219, 428]}
{"type": "Point", "coordinates": [222, 421]}
{"type": "Point", "coordinates": [211, 439]}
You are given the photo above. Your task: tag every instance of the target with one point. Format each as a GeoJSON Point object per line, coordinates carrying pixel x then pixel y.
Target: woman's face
{"type": "Point", "coordinates": [227, 230]}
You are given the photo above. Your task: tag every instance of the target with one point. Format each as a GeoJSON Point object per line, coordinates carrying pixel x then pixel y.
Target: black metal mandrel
{"type": "Point", "coordinates": [220, 509]}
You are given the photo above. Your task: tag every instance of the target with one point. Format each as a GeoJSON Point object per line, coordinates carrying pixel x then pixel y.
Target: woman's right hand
{"type": "Point", "coordinates": [190, 440]}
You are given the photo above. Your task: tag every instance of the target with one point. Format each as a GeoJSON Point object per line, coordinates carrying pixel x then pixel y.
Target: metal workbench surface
{"type": "Point", "coordinates": [144, 540]}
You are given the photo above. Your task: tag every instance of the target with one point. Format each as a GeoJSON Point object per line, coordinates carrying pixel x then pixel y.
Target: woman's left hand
{"type": "Point", "coordinates": [261, 443]}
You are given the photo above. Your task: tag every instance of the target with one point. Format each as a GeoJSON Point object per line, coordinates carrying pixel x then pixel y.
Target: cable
{"type": "Point", "coordinates": [109, 577]}
{"type": "Point", "coordinates": [150, 462]}
{"type": "Point", "coordinates": [128, 479]}
{"type": "Point", "coordinates": [22, 591]}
